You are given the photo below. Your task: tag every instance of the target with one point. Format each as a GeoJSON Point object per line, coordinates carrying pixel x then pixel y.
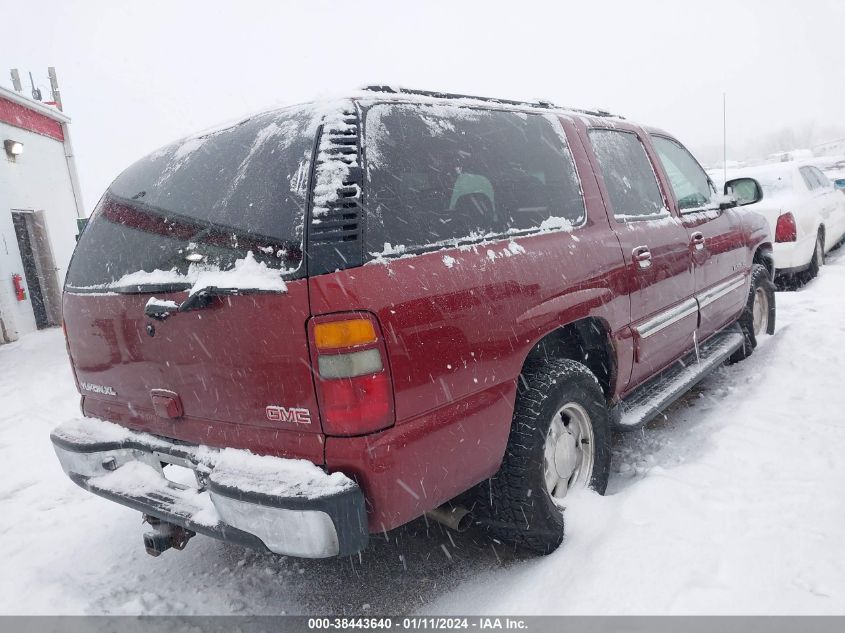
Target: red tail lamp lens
{"type": "Point", "coordinates": [354, 387]}
{"type": "Point", "coordinates": [353, 406]}
{"type": "Point", "coordinates": [786, 230]}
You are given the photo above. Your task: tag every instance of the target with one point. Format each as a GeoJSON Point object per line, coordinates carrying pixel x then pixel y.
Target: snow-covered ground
{"type": "Point", "coordinates": [734, 503]}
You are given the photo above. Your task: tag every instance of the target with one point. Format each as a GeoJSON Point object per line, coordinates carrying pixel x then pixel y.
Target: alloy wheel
{"type": "Point", "coordinates": [568, 451]}
{"type": "Point", "coordinates": [760, 312]}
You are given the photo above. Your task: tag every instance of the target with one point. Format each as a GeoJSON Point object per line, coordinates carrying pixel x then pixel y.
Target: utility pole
{"type": "Point", "coordinates": [16, 80]}
{"type": "Point", "coordinates": [54, 87]}
{"type": "Point", "coordinates": [725, 136]}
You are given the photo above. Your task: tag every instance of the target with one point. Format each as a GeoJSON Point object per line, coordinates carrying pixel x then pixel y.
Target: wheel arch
{"type": "Point", "coordinates": [764, 255]}
{"type": "Point", "coordinates": [588, 341]}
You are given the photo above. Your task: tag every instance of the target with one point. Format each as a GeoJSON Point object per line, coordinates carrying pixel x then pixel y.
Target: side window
{"type": "Point", "coordinates": [689, 181]}
{"type": "Point", "coordinates": [628, 175]}
{"type": "Point", "coordinates": [820, 177]}
{"type": "Point", "coordinates": [441, 174]}
{"type": "Point", "coordinates": [809, 180]}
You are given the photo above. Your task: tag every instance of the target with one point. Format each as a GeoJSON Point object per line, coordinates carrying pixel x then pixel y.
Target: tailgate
{"type": "Point", "coordinates": [226, 364]}
{"type": "Point", "coordinates": [218, 216]}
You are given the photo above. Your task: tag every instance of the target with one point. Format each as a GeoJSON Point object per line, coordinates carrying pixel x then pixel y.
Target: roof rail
{"type": "Point", "coordinates": [450, 95]}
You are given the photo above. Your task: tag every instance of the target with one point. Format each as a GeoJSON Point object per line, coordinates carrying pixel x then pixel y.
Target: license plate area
{"type": "Point", "coordinates": [179, 472]}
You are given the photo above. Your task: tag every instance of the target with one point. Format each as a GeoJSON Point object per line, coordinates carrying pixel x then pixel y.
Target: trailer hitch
{"type": "Point", "coordinates": [164, 535]}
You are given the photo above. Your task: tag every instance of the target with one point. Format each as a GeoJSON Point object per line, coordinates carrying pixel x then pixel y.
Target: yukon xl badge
{"type": "Point", "coordinates": [103, 389]}
{"type": "Point", "coordinates": [295, 415]}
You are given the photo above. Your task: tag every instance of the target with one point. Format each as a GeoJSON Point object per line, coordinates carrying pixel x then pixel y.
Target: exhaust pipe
{"type": "Point", "coordinates": [457, 518]}
{"type": "Point", "coordinates": [164, 536]}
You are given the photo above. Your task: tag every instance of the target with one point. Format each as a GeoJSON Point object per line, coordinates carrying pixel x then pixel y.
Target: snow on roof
{"type": "Point", "coordinates": [380, 94]}
{"type": "Point", "coordinates": [393, 93]}
{"type": "Point", "coordinates": [767, 169]}
{"type": "Point", "coordinates": [777, 179]}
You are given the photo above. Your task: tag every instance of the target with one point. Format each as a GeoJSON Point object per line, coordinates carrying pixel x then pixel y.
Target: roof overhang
{"type": "Point", "coordinates": [35, 106]}
{"type": "Point", "coordinates": [26, 114]}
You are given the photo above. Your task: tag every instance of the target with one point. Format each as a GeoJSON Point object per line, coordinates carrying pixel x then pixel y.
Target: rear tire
{"type": "Point", "coordinates": [758, 317]}
{"type": "Point", "coordinates": [559, 440]}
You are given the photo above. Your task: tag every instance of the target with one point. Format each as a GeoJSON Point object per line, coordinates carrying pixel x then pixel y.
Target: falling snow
{"type": "Point", "coordinates": [728, 505]}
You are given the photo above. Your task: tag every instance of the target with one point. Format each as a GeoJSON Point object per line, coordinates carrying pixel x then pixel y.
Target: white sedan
{"type": "Point", "coordinates": [805, 212]}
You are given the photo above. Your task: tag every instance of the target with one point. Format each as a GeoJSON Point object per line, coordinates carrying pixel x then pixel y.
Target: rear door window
{"type": "Point", "coordinates": [439, 175]}
{"type": "Point", "coordinates": [823, 181]}
{"type": "Point", "coordinates": [204, 202]}
{"type": "Point", "coordinates": [628, 175]}
{"type": "Point", "coordinates": [809, 178]}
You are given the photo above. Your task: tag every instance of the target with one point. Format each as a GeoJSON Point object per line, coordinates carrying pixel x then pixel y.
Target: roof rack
{"type": "Point", "coordinates": [450, 95]}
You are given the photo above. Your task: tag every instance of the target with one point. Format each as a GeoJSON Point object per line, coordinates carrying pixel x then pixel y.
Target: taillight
{"type": "Point", "coordinates": [354, 387]}
{"type": "Point", "coordinates": [786, 231]}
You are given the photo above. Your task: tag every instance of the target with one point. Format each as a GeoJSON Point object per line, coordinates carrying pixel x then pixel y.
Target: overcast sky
{"type": "Point", "coordinates": [135, 75]}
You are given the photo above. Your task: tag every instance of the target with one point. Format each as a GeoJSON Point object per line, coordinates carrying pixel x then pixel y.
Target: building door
{"type": "Point", "coordinates": [39, 266]}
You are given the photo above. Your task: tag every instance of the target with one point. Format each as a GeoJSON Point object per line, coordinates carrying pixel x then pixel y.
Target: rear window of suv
{"type": "Point", "coordinates": [206, 201]}
{"type": "Point", "coordinates": [438, 175]}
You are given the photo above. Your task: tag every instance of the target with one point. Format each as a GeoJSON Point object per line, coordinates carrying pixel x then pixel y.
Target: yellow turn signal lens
{"type": "Point", "coordinates": [340, 334]}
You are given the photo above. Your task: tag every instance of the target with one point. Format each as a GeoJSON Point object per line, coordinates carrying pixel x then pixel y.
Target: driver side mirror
{"type": "Point", "coordinates": [839, 184]}
{"type": "Point", "coordinates": [744, 190]}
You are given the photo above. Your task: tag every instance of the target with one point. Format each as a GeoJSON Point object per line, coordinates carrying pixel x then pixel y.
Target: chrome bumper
{"type": "Point", "coordinates": [282, 505]}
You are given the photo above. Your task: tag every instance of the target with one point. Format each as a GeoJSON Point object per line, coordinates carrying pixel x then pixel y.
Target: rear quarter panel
{"type": "Point", "coordinates": [459, 324]}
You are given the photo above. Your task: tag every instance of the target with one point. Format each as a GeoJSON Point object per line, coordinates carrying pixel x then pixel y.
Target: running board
{"type": "Point", "coordinates": [646, 402]}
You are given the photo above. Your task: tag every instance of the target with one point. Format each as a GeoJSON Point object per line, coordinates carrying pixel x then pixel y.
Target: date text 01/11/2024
{"type": "Point", "coordinates": [419, 623]}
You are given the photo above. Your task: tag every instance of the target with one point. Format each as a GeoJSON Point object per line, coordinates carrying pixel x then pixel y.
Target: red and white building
{"type": "Point", "coordinates": [40, 202]}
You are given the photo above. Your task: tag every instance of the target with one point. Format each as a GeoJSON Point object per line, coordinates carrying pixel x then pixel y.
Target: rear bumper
{"type": "Point", "coordinates": [793, 257]}
{"type": "Point", "coordinates": [794, 270]}
{"type": "Point", "coordinates": [285, 506]}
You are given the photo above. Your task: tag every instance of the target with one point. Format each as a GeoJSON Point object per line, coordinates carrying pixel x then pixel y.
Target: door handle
{"type": "Point", "coordinates": [642, 256]}
{"type": "Point", "coordinates": [697, 239]}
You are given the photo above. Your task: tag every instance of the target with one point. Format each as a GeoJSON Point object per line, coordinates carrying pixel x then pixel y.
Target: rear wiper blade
{"type": "Point", "coordinates": [160, 309]}
{"type": "Point", "coordinates": [202, 298]}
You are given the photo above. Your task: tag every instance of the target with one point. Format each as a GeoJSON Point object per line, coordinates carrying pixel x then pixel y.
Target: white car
{"type": "Point", "coordinates": [805, 212]}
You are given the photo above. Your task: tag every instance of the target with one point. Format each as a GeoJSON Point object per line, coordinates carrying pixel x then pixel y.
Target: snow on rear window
{"type": "Point", "coordinates": [208, 199]}
{"type": "Point", "coordinates": [245, 274]}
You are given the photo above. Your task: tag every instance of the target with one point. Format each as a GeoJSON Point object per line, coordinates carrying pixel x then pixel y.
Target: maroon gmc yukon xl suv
{"type": "Point", "coordinates": [327, 320]}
